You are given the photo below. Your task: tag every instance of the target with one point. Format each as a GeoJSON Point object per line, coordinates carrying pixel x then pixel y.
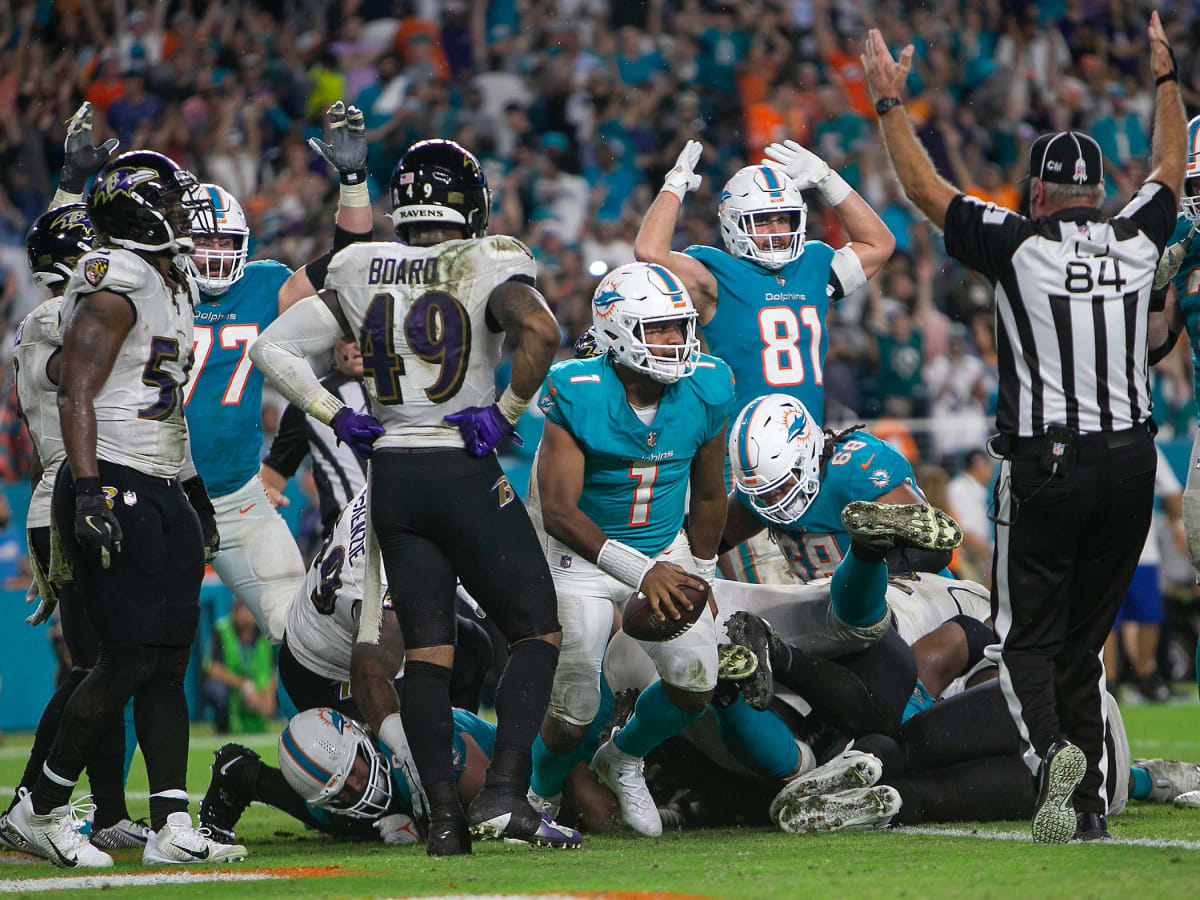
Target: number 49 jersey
{"type": "Point", "coordinates": [429, 347]}
{"type": "Point", "coordinates": [139, 409]}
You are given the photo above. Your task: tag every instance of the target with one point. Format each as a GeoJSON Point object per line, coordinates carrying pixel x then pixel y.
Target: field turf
{"type": "Point", "coordinates": [1156, 854]}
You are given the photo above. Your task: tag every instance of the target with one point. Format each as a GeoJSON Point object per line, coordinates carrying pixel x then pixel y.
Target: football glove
{"type": "Point", "coordinates": [347, 147]}
{"type": "Point", "coordinates": [45, 607]}
{"type": "Point", "coordinates": [683, 177]}
{"type": "Point", "coordinates": [96, 527]}
{"type": "Point", "coordinates": [1172, 259]}
{"type": "Point", "coordinates": [397, 829]}
{"type": "Point", "coordinates": [358, 430]}
{"type": "Point", "coordinates": [808, 170]}
{"type": "Point", "coordinates": [80, 159]}
{"type": "Point", "coordinates": [483, 428]}
{"type": "Point", "coordinates": [197, 495]}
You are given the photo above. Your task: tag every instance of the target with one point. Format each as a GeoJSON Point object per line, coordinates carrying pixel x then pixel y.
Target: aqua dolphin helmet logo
{"type": "Point", "coordinates": [797, 423]}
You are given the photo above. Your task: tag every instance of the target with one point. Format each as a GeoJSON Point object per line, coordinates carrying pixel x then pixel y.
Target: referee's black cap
{"type": "Point", "coordinates": [1068, 157]}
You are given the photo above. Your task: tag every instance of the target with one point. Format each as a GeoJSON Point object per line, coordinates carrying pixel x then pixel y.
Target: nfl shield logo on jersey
{"type": "Point", "coordinates": [651, 439]}
{"type": "Point", "coordinates": [94, 271]}
{"type": "Point", "coordinates": [130, 498]}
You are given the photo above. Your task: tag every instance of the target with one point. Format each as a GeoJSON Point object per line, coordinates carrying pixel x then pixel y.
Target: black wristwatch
{"type": "Point", "coordinates": [883, 104]}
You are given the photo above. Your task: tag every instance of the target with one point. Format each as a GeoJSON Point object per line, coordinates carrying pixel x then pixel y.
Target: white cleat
{"type": "Point", "coordinates": [179, 843]}
{"type": "Point", "coordinates": [853, 810]}
{"type": "Point", "coordinates": [1190, 800]}
{"type": "Point", "coordinates": [125, 835]}
{"type": "Point", "coordinates": [1171, 778]}
{"type": "Point", "coordinates": [53, 836]}
{"type": "Point", "coordinates": [852, 769]}
{"type": "Point", "coordinates": [547, 805]}
{"type": "Point", "coordinates": [624, 775]}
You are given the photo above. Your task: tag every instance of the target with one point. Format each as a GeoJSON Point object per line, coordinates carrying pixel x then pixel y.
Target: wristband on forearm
{"type": "Point", "coordinates": [705, 568]}
{"type": "Point", "coordinates": [511, 406]}
{"type": "Point", "coordinates": [62, 197]}
{"type": "Point", "coordinates": [834, 188]}
{"type": "Point", "coordinates": [88, 485]}
{"type": "Point", "coordinates": [354, 193]}
{"type": "Point", "coordinates": [624, 563]}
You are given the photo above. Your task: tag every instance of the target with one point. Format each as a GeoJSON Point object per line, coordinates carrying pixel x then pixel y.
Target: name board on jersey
{"type": "Point", "coordinates": [389, 270]}
{"type": "Point", "coordinates": [358, 529]}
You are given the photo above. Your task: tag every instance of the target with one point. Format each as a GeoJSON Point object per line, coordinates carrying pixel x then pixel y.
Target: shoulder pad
{"type": "Point", "coordinates": [713, 380]}
{"type": "Point", "coordinates": [270, 267]}
{"type": "Point", "coordinates": [113, 269]}
{"type": "Point", "coordinates": [705, 253]}
{"type": "Point", "coordinates": [345, 265]}
{"type": "Point", "coordinates": [509, 253]}
{"type": "Point", "coordinates": [566, 379]}
{"type": "Point", "coordinates": [43, 324]}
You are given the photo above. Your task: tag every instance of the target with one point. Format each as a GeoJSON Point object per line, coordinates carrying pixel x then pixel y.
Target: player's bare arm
{"type": "Point", "coordinates": [706, 510]}
{"type": "Point", "coordinates": [373, 669]}
{"type": "Point", "coordinates": [522, 313]}
{"type": "Point", "coordinates": [740, 523]}
{"type": "Point", "coordinates": [90, 345]}
{"type": "Point", "coordinates": [922, 184]}
{"type": "Point", "coordinates": [274, 483]}
{"type": "Point", "coordinates": [1168, 154]}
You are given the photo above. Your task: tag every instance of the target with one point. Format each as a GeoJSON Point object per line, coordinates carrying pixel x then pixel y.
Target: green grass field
{"type": "Point", "coordinates": [757, 863]}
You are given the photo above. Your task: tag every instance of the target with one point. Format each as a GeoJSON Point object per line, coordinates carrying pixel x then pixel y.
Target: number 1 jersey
{"type": "Point", "coordinates": [420, 313]}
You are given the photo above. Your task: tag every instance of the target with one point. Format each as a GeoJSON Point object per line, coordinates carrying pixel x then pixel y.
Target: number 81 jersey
{"type": "Point", "coordinates": [139, 409]}
{"type": "Point", "coordinates": [420, 313]}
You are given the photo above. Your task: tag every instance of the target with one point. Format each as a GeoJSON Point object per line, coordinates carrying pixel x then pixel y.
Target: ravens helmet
{"type": "Point", "coordinates": [56, 241]}
{"type": "Point", "coordinates": [142, 200]}
{"type": "Point", "coordinates": [438, 182]}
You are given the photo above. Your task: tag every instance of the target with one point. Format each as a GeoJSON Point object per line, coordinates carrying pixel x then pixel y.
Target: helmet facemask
{"type": "Point", "coordinates": [757, 191]}
{"type": "Point", "coordinates": [319, 752]}
{"type": "Point", "coordinates": [1189, 203]}
{"type": "Point", "coordinates": [634, 299]}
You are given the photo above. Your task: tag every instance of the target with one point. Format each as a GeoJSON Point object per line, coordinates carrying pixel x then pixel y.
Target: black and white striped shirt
{"type": "Point", "coordinates": [337, 470]}
{"type": "Point", "coordinates": [1072, 307]}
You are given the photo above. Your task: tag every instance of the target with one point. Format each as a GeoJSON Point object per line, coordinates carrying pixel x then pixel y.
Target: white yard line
{"type": "Point", "coordinates": [938, 831]}
{"type": "Point", "coordinates": [85, 882]}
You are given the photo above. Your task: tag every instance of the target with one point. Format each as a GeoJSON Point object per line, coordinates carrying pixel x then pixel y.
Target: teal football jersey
{"type": "Point", "coordinates": [770, 326]}
{"type": "Point", "coordinates": [223, 397]}
{"type": "Point", "coordinates": [636, 476]}
{"type": "Point", "coordinates": [1187, 290]}
{"type": "Point", "coordinates": [863, 468]}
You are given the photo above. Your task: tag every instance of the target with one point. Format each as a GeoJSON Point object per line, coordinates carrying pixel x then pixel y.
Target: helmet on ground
{"type": "Point", "coordinates": [317, 754]}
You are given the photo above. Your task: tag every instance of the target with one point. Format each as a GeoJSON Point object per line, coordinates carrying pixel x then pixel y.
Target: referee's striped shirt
{"type": "Point", "coordinates": [1072, 307]}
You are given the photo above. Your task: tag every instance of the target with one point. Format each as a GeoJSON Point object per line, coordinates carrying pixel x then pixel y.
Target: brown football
{"type": "Point", "coordinates": [640, 621]}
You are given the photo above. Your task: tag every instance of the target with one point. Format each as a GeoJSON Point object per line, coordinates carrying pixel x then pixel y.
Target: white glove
{"type": "Point", "coordinates": [397, 829]}
{"type": "Point", "coordinates": [808, 170]}
{"type": "Point", "coordinates": [1172, 259]}
{"type": "Point", "coordinates": [44, 608]}
{"type": "Point", "coordinates": [391, 732]}
{"type": "Point", "coordinates": [683, 177]}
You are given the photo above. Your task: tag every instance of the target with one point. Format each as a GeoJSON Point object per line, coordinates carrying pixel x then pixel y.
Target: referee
{"type": "Point", "coordinates": [1075, 493]}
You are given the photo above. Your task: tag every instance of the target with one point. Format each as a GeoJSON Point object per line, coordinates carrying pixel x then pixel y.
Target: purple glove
{"type": "Point", "coordinates": [359, 430]}
{"type": "Point", "coordinates": [483, 428]}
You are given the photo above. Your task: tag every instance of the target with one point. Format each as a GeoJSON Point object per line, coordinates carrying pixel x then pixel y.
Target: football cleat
{"type": "Point", "coordinates": [179, 843]}
{"type": "Point", "coordinates": [1171, 778]}
{"type": "Point", "coordinates": [547, 805]}
{"type": "Point", "coordinates": [54, 837]}
{"type": "Point", "coordinates": [1090, 826]}
{"type": "Point", "coordinates": [1063, 767]}
{"type": "Point", "coordinates": [756, 635]}
{"type": "Point", "coordinates": [882, 526]}
{"type": "Point", "coordinates": [852, 769]}
{"type": "Point", "coordinates": [735, 662]}
{"type": "Point", "coordinates": [125, 835]}
{"type": "Point", "coordinates": [10, 837]}
{"type": "Point", "coordinates": [231, 790]}
{"type": "Point", "coordinates": [857, 809]}
{"type": "Point", "coordinates": [625, 776]}
{"type": "Point", "coordinates": [495, 814]}
{"type": "Point", "coordinates": [448, 833]}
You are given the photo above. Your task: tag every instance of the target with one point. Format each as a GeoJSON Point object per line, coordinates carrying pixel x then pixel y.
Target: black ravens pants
{"type": "Point", "coordinates": [1066, 548]}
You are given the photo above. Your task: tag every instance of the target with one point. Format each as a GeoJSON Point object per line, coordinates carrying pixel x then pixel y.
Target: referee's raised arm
{"type": "Point", "coordinates": [1168, 156]}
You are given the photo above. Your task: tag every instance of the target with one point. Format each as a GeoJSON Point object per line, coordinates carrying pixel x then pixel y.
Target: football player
{"type": "Point", "coordinates": [628, 433]}
{"type": "Point", "coordinates": [762, 302]}
{"type": "Point", "coordinates": [134, 518]}
{"type": "Point", "coordinates": [430, 315]}
{"type": "Point", "coordinates": [259, 560]}
{"type": "Point", "coordinates": [792, 479]}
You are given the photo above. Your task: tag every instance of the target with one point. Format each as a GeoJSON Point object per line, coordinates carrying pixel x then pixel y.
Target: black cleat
{"type": "Point", "coordinates": [448, 834]}
{"type": "Point", "coordinates": [1063, 767]}
{"type": "Point", "coordinates": [882, 526]}
{"type": "Point", "coordinates": [498, 814]}
{"type": "Point", "coordinates": [1091, 827]}
{"type": "Point", "coordinates": [755, 634]}
{"type": "Point", "coordinates": [231, 790]}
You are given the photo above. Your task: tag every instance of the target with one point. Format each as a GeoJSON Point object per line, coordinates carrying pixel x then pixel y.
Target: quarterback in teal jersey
{"type": "Point", "coordinates": [794, 479]}
{"type": "Point", "coordinates": [259, 560]}
{"type": "Point", "coordinates": [627, 434]}
{"type": "Point", "coordinates": [762, 301]}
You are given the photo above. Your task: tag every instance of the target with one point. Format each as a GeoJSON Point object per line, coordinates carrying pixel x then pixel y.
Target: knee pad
{"type": "Point", "coordinates": [979, 636]}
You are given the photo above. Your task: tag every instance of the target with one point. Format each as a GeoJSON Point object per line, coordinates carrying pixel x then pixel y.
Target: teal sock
{"type": "Point", "coordinates": [859, 590]}
{"type": "Point", "coordinates": [550, 769]}
{"type": "Point", "coordinates": [920, 699]}
{"type": "Point", "coordinates": [130, 738]}
{"type": "Point", "coordinates": [758, 739]}
{"type": "Point", "coordinates": [655, 718]}
{"type": "Point", "coordinates": [1143, 784]}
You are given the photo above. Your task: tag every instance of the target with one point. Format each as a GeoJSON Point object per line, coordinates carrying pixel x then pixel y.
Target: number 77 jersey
{"type": "Point", "coordinates": [429, 346]}
{"type": "Point", "coordinates": [770, 326]}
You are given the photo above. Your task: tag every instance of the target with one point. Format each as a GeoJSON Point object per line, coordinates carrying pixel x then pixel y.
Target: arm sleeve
{"type": "Point", "coordinates": [291, 443]}
{"type": "Point", "coordinates": [306, 329]}
{"type": "Point", "coordinates": [1152, 211]}
{"type": "Point", "coordinates": [983, 235]}
{"type": "Point", "coordinates": [846, 274]}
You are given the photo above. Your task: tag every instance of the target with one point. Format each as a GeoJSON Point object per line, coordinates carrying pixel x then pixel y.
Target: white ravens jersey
{"type": "Point", "coordinates": [420, 315]}
{"type": "Point", "coordinates": [39, 338]}
{"type": "Point", "coordinates": [322, 620]}
{"type": "Point", "coordinates": [139, 413]}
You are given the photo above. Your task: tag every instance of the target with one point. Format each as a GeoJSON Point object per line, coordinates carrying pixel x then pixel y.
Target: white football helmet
{"type": "Point", "coordinates": [633, 296]}
{"type": "Point", "coordinates": [317, 751]}
{"type": "Point", "coordinates": [775, 453]}
{"type": "Point", "coordinates": [756, 190]}
{"type": "Point", "coordinates": [1189, 203]}
{"type": "Point", "coordinates": [216, 271]}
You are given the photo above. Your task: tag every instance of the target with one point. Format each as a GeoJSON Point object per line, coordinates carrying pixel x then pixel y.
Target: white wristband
{"type": "Point", "coordinates": [511, 406]}
{"type": "Point", "coordinates": [705, 568]}
{"type": "Point", "coordinates": [62, 198]}
{"type": "Point", "coordinates": [624, 563]}
{"type": "Point", "coordinates": [354, 195]}
{"type": "Point", "coordinates": [834, 188]}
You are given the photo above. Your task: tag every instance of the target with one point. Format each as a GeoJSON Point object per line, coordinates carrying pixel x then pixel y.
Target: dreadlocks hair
{"type": "Point", "coordinates": [832, 438]}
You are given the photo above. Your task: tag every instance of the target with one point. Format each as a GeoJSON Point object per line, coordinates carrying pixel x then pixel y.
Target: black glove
{"type": "Point", "coordinates": [197, 495]}
{"type": "Point", "coordinates": [81, 160]}
{"type": "Point", "coordinates": [96, 527]}
{"type": "Point", "coordinates": [347, 147]}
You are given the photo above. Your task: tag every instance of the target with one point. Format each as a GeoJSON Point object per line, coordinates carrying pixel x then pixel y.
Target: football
{"type": "Point", "coordinates": [640, 621]}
